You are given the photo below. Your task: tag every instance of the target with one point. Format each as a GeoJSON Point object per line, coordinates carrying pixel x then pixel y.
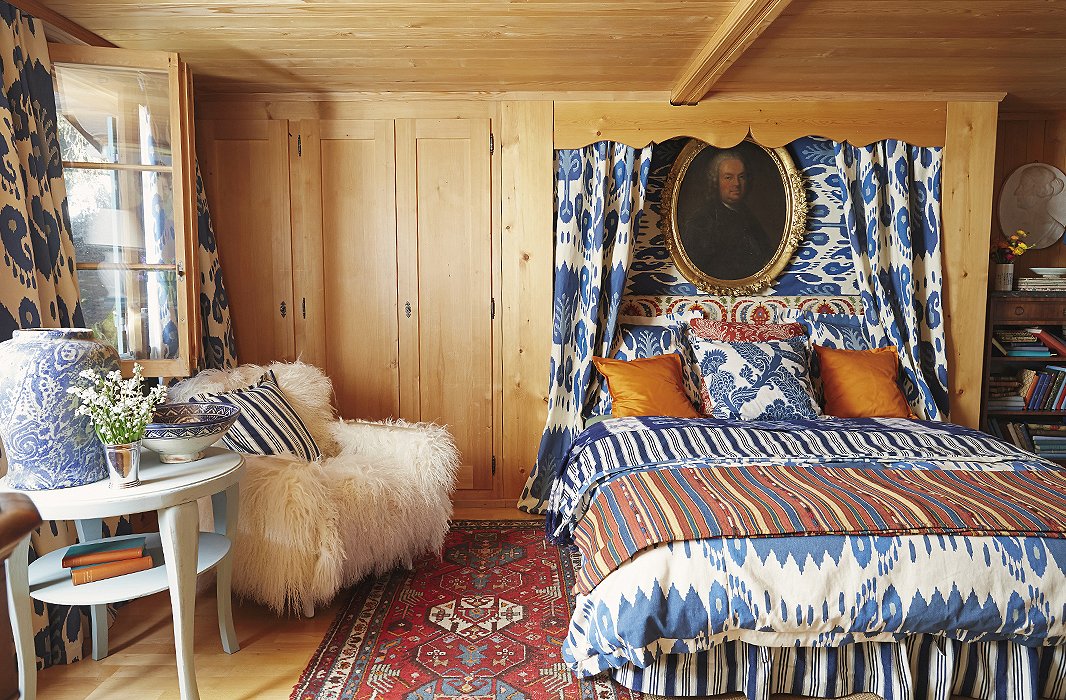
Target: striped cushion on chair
{"type": "Point", "coordinates": [268, 424]}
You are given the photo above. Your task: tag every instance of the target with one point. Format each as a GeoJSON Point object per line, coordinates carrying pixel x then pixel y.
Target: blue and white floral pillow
{"type": "Point", "coordinates": [756, 381]}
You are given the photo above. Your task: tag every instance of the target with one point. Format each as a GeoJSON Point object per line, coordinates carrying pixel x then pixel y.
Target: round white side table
{"type": "Point", "coordinates": [180, 552]}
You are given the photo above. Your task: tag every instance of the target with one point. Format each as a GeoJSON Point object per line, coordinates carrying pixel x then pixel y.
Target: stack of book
{"type": "Point", "coordinates": [1019, 342]}
{"type": "Point", "coordinates": [95, 561]}
{"type": "Point", "coordinates": [1041, 284]}
{"type": "Point", "coordinates": [1046, 440]}
{"type": "Point", "coordinates": [1030, 390]}
{"type": "Point", "coordinates": [1004, 393]}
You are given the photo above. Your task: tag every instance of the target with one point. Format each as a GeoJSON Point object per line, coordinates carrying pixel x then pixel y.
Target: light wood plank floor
{"type": "Point", "coordinates": [274, 651]}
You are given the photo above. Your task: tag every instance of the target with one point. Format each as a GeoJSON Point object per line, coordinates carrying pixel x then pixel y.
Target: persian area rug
{"type": "Point", "coordinates": [484, 621]}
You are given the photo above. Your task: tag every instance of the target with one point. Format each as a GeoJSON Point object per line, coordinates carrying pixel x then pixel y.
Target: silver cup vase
{"type": "Point", "coordinates": [123, 464]}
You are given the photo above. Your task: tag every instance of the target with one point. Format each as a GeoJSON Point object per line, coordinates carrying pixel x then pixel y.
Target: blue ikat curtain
{"type": "Point", "coordinates": [600, 191]}
{"type": "Point", "coordinates": [216, 325]}
{"type": "Point", "coordinates": [38, 282]}
{"type": "Point", "coordinates": [891, 195]}
{"type": "Point", "coordinates": [38, 286]}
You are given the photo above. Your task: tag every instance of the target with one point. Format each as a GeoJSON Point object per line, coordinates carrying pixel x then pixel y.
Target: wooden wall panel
{"type": "Point", "coordinates": [727, 123]}
{"type": "Point", "coordinates": [969, 163]}
{"type": "Point", "coordinates": [245, 171]}
{"type": "Point", "coordinates": [1029, 140]}
{"type": "Point", "coordinates": [453, 262]}
{"type": "Point", "coordinates": [528, 204]}
{"type": "Point", "coordinates": [350, 226]}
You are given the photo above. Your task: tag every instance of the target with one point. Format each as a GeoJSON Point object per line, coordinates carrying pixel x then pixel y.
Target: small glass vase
{"type": "Point", "coordinates": [123, 464]}
{"type": "Point", "coordinates": [1003, 277]}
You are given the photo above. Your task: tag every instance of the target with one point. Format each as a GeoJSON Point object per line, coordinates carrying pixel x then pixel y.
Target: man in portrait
{"type": "Point", "coordinates": [719, 232]}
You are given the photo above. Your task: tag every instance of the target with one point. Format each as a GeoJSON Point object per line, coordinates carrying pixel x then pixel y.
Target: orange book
{"type": "Point", "coordinates": [98, 572]}
{"type": "Point", "coordinates": [1056, 345]}
{"type": "Point", "coordinates": [104, 551]}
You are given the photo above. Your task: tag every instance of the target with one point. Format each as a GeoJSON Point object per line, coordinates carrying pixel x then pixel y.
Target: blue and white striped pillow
{"type": "Point", "coordinates": [268, 424]}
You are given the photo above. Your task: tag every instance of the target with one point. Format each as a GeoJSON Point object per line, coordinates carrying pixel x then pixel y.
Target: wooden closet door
{"type": "Point", "coordinates": [344, 208]}
{"type": "Point", "coordinates": [444, 232]}
{"type": "Point", "coordinates": [246, 175]}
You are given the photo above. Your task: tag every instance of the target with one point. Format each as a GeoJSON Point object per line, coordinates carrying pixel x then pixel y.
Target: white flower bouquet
{"type": "Point", "coordinates": [119, 408]}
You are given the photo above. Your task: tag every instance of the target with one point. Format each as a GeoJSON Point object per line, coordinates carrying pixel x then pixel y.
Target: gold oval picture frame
{"type": "Point", "coordinates": [733, 217]}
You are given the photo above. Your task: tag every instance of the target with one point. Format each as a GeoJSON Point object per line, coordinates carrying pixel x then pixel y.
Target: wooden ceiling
{"type": "Point", "coordinates": [557, 46]}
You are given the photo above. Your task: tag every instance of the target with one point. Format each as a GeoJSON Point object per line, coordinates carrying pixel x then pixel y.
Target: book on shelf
{"type": "Point", "coordinates": [1055, 343]}
{"type": "Point", "coordinates": [103, 551]}
{"type": "Point", "coordinates": [80, 575]}
{"type": "Point", "coordinates": [1015, 335]}
{"type": "Point", "coordinates": [1009, 349]}
{"type": "Point", "coordinates": [1028, 379]}
{"type": "Point", "coordinates": [1056, 429]}
{"type": "Point", "coordinates": [1041, 284]}
{"type": "Point", "coordinates": [1041, 389]}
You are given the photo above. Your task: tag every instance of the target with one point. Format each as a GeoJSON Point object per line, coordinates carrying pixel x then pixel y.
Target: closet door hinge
{"type": "Point", "coordinates": [494, 465]}
{"type": "Point", "coordinates": [492, 308]}
{"type": "Point", "coordinates": [492, 144]}
{"type": "Point", "coordinates": [299, 146]}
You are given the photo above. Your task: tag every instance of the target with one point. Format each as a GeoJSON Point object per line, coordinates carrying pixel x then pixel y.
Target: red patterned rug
{"type": "Point", "coordinates": [485, 621]}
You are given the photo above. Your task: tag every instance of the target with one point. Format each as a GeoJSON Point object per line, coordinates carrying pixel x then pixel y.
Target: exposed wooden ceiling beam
{"type": "Point", "coordinates": [63, 30]}
{"type": "Point", "coordinates": [739, 30]}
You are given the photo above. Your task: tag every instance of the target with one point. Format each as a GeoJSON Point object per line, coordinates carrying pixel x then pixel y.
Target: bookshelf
{"type": "Point", "coordinates": [1010, 313]}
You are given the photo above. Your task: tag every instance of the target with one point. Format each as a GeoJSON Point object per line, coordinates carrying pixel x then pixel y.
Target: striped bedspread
{"type": "Point", "coordinates": [639, 510]}
{"type": "Point", "coordinates": [615, 446]}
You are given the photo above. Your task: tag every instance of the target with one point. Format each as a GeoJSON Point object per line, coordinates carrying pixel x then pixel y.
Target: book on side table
{"type": "Point", "coordinates": [95, 561]}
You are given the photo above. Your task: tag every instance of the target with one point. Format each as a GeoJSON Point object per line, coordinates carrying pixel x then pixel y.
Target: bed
{"type": "Point", "coordinates": [966, 597]}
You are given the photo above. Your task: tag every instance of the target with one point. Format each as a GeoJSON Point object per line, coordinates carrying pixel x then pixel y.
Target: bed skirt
{"type": "Point", "coordinates": [921, 667]}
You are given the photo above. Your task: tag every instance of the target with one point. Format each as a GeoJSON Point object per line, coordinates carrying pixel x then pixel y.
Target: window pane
{"type": "Point", "coordinates": [121, 215]}
{"type": "Point", "coordinates": [134, 310]}
{"type": "Point", "coordinates": [113, 115]}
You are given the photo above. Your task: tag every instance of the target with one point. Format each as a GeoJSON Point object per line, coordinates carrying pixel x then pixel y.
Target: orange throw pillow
{"type": "Point", "coordinates": [646, 387]}
{"type": "Point", "coordinates": [862, 383]}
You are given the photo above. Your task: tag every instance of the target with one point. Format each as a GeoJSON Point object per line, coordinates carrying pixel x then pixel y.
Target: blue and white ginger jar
{"type": "Point", "coordinates": [47, 446]}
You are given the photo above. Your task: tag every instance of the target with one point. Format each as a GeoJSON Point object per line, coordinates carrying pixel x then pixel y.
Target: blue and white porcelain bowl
{"type": "Point", "coordinates": [180, 432]}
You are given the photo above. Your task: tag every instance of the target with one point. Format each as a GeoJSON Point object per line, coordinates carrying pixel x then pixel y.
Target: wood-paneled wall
{"type": "Point", "coordinates": [1025, 139]}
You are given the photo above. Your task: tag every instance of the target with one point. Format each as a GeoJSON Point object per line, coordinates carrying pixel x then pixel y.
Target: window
{"type": "Point", "coordinates": [126, 161]}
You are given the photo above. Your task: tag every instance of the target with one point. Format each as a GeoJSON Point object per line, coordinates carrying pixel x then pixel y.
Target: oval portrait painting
{"type": "Point", "coordinates": [733, 216]}
{"type": "Point", "coordinates": [1033, 199]}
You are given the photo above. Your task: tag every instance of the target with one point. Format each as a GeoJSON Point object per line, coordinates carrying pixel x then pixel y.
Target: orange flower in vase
{"type": "Point", "coordinates": [1003, 254]}
{"type": "Point", "coordinates": [1005, 251]}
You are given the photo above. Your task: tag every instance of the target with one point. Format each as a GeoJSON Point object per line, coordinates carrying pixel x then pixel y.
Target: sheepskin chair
{"type": "Point", "coordinates": [379, 498]}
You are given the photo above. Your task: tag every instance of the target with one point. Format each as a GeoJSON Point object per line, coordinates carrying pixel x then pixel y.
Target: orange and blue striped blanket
{"type": "Point", "coordinates": [639, 510]}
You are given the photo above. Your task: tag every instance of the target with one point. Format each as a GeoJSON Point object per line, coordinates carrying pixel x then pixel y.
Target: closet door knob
{"type": "Point", "coordinates": [407, 308]}
{"type": "Point", "coordinates": [283, 309]}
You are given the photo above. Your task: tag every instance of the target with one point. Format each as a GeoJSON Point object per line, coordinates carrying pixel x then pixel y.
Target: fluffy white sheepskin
{"type": "Point", "coordinates": [379, 498]}
{"type": "Point", "coordinates": [394, 481]}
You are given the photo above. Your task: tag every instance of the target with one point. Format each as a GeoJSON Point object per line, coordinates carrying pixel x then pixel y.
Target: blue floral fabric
{"type": "Point", "coordinates": [219, 345]}
{"type": "Point", "coordinates": [639, 341]}
{"type": "Point", "coordinates": [38, 286]}
{"type": "Point", "coordinates": [38, 283]}
{"type": "Point", "coordinates": [822, 265]}
{"type": "Point", "coordinates": [756, 381]}
{"type": "Point", "coordinates": [837, 331]}
{"type": "Point", "coordinates": [891, 193]}
{"type": "Point", "coordinates": [600, 191]}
